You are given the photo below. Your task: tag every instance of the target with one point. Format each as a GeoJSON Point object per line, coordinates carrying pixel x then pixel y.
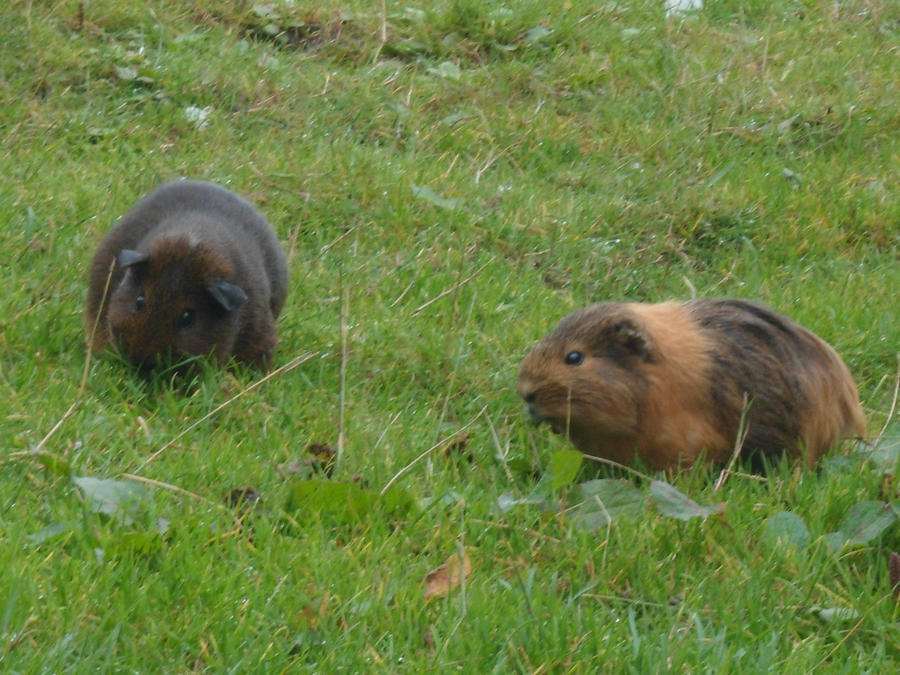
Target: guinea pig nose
{"type": "Point", "coordinates": [534, 415]}
{"type": "Point", "coordinates": [529, 397]}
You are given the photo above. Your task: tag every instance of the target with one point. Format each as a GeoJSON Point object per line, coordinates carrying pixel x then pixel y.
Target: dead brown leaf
{"type": "Point", "coordinates": [443, 579]}
{"type": "Point", "coordinates": [244, 498]}
{"type": "Point", "coordinates": [319, 461]}
{"type": "Point", "coordinates": [458, 447]}
{"type": "Point", "coordinates": [322, 451]}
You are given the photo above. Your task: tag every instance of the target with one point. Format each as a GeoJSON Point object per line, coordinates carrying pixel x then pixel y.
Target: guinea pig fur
{"type": "Point", "coordinates": [668, 383]}
{"type": "Point", "coordinates": [196, 270]}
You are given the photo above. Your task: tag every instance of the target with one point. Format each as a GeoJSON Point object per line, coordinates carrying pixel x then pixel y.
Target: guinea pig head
{"type": "Point", "coordinates": [174, 300]}
{"type": "Point", "coordinates": [586, 378]}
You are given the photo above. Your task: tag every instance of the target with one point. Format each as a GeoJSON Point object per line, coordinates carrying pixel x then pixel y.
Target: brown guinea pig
{"type": "Point", "coordinates": [196, 270]}
{"type": "Point", "coordinates": [668, 383]}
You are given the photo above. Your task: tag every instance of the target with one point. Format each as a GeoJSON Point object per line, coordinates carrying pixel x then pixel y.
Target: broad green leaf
{"type": "Point", "coordinates": [415, 14]}
{"type": "Point", "coordinates": [886, 453]}
{"type": "Point", "coordinates": [51, 532]}
{"type": "Point", "coordinates": [520, 465]}
{"type": "Point", "coordinates": [190, 36]}
{"type": "Point", "coordinates": [507, 502]}
{"type": "Point", "coordinates": [835, 614]}
{"type": "Point", "coordinates": [265, 11]}
{"type": "Point", "coordinates": [447, 69]}
{"type": "Point", "coordinates": [307, 641]}
{"type": "Point", "coordinates": [536, 33]}
{"type": "Point", "coordinates": [605, 500]}
{"type": "Point", "coordinates": [564, 466]}
{"type": "Point", "coordinates": [111, 497]}
{"type": "Point", "coordinates": [786, 527]}
{"type": "Point", "coordinates": [341, 502]}
{"type": "Point", "coordinates": [682, 6]}
{"type": "Point", "coordinates": [126, 73]}
{"type": "Point", "coordinates": [834, 541]}
{"type": "Point", "coordinates": [429, 195]}
{"type": "Point", "coordinates": [397, 500]}
{"type": "Point", "coordinates": [134, 542]}
{"type": "Point", "coordinates": [399, 107]}
{"type": "Point", "coordinates": [406, 47]}
{"type": "Point", "coordinates": [454, 119]}
{"type": "Point", "coordinates": [58, 466]}
{"type": "Point", "coordinates": [865, 521]}
{"type": "Point", "coordinates": [839, 464]}
{"type": "Point", "coordinates": [674, 504]}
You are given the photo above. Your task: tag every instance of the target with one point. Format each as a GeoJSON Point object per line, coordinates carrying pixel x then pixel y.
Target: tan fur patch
{"type": "Point", "coordinates": [677, 423]}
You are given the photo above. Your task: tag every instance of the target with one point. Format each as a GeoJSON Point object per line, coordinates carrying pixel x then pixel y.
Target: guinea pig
{"type": "Point", "coordinates": [196, 270]}
{"type": "Point", "coordinates": [668, 383]}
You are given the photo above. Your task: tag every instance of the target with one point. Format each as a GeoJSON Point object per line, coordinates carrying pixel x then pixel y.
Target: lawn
{"type": "Point", "coordinates": [449, 179]}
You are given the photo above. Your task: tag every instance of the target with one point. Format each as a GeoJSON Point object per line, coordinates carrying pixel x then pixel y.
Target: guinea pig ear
{"type": "Point", "coordinates": [129, 257]}
{"type": "Point", "coordinates": [228, 295]}
{"type": "Point", "coordinates": [632, 338]}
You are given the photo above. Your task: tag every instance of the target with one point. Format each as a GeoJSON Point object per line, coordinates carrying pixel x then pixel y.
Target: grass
{"type": "Point", "coordinates": [571, 152]}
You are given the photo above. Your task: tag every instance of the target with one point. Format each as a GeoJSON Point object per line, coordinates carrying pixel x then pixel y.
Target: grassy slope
{"type": "Point", "coordinates": [751, 151]}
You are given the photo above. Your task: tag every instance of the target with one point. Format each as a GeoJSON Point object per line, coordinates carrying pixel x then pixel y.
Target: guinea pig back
{"type": "Point", "coordinates": [195, 270]}
{"type": "Point", "coordinates": [669, 383]}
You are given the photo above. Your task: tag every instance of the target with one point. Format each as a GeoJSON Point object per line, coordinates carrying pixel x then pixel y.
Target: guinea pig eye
{"type": "Point", "coordinates": [574, 358]}
{"type": "Point", "coordinates": [186, 319]}
{"type": "Point", "coordinates": [139, 303]}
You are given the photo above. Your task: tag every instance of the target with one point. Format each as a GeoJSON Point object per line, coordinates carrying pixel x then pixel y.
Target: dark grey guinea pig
{"type": "Point", "coordinates": [196, 270]}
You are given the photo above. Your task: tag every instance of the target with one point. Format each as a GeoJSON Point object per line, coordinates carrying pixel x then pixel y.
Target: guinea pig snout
{"type": "Point", "coordinates": [116, 339]}
{"type": "Point", "coordinates": [526, 391]}
{"type": "Point", "coordinates": [531, 404]}
{"type": "Point", "coordinates": [535, 415]}
{"type": "Point", "coordinates": [529, 395]}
